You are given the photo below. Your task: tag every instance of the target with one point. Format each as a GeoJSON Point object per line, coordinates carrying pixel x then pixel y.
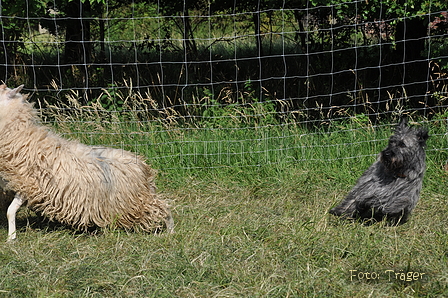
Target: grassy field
{"type": "Point", "coordinates": [251, 211]}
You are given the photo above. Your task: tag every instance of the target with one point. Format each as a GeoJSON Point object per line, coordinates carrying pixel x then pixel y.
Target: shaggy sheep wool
{"type": "Point", "coordinates": [72, 183]}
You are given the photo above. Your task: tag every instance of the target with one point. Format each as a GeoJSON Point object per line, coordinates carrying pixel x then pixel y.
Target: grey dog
{"type": "Point", "coordinates": [390, 188]}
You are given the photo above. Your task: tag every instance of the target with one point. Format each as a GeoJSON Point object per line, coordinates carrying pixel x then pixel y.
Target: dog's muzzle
{"type": "Point", "coordinates": [391, 160]}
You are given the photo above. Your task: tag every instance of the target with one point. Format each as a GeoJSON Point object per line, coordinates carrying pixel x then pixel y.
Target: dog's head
{"type": "Point", "coordinates": [405, 149]}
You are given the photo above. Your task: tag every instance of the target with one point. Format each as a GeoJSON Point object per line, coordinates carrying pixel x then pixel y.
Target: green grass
{"type": "Point", "coordinates": [248, 224]}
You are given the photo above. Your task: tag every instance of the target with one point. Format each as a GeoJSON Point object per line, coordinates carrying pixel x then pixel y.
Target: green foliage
{"type": "Point", "coordinates": [248, 111]}
{"type": "Point", "coordinates": [305, 41]}
{"type": "Point", "coordinates": [111, 100]}
{"type": "Point", "coordinates": [388, 9]}
{"type": "Point", "coordinates": [17, 23]}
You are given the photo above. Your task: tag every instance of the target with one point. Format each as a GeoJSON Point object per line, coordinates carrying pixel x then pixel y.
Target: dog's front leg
{"type": "Point", "coordinates": [11, 214]}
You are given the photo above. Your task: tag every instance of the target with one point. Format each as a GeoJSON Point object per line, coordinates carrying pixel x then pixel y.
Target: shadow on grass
{"type": "Point", "coordinates": [28, 219]}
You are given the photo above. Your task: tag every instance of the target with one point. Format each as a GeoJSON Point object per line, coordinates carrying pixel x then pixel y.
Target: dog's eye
{"type": "Point", "coordinates": [401, 144]}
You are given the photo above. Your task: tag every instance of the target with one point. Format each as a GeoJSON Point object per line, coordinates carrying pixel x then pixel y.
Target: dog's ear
{"type": "Point", "coordinates": [402, 125]}
{"type": "Point", "coordinates": [422, 135]}
{"type": "Point", "coordinates": [403, 121]}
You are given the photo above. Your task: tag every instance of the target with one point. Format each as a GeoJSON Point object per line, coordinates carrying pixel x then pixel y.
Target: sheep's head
{"type": "Point", "coordinates": [7, 94]}
{"type": "Point", "coordinates": [9, 98]}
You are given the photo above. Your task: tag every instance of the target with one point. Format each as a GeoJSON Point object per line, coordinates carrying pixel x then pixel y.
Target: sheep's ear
{"type": "Point", "coordinates": [15, 91]}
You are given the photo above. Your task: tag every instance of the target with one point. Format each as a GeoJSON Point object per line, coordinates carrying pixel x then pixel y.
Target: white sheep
{"type": "Point", "coordinates": [72, 183]}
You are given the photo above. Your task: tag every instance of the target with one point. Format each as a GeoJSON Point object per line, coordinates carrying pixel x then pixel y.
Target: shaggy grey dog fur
{"type": "Point", "coordinates": [390, 187]}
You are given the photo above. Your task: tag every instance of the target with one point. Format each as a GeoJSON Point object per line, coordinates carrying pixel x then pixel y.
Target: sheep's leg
{"type": "Point", "coordinates": [169, 222]}
{"type": "Point", "coordinates": [11, 214]}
